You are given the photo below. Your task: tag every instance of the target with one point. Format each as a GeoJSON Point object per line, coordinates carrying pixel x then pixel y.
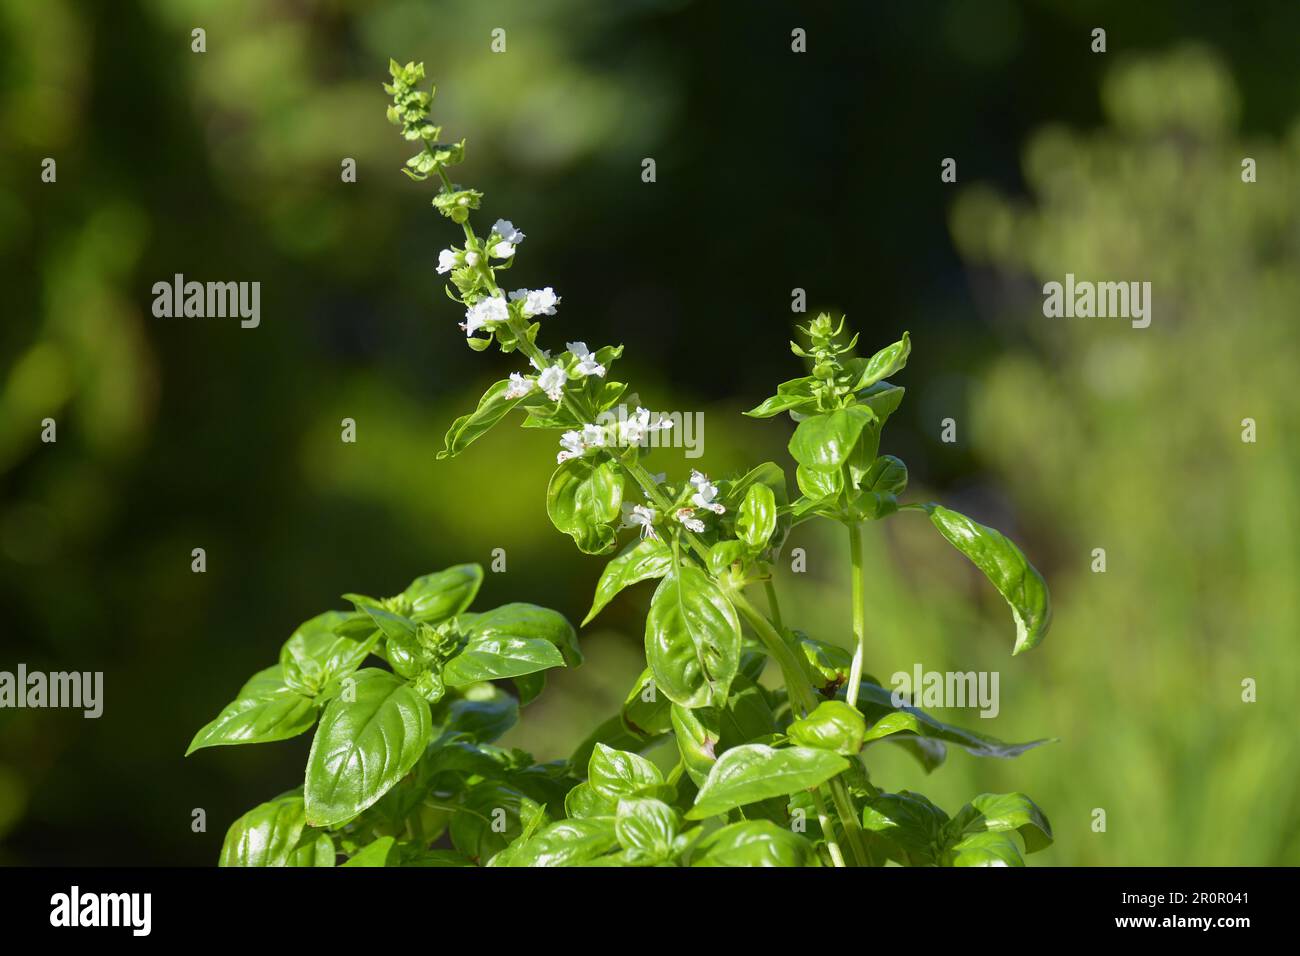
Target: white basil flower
{"type": "Point", "coordinates": [634, 428]}
{"type": "Point", "coordinates": [705, 492]}
{"type": "Point", "coordinates": [571, 442]}
{"type": "Point", "coordinates": [687, 517]}
{"type": "Point", "coordinates": [448, 259]}
{"type": "Point", "coordinates": [519, 386]}
{"type": "Point", "coordinates": [587, 364]}
{"type": "Point", "coordinates": [640, 516]}
{"type": "Point", "coordinates": [485, 313]}
{"type": "Point", "coordinates": [552, 380]}
{"type": "Point", "coordinates": [508, 238]}
{"type": "Point", "coordinates": [471, 258]}
{"type": "Point", "coordinates": [536, 301]}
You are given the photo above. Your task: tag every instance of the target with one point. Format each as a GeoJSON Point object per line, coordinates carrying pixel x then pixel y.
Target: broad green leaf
{"type": "Point", "coordinates": [820, 487]}
{"type": "Point", "coordinates": [886, 476]}
{"type": "Point", "coordinates": [585, 801]}
{"type": "Point", "coordinates": [315, 848]}
{"type": "Point", "coordinates": [483, 712]}
{"type": "Point", "coordinates": [828, 665]}
{"type": "Point", "coordinates": [984, 849]}
{"type": "Point", "coordinates": [645, 710]}
{"type": "Point", "coordinates": [795, 394]}
{"type": "Point", "coordinates": [833, 725]}
{"type": "Point", "coordinates": [265, 711]}
{"type": "Point", "coordinates": [314, 655]}
{"type": "Point", "coordinates": [1006, 568]}
{"type": "Point", "coordinates": [583, 500]}
{"type": "Point", "coordinates": [755, 843]}
{"type": "Point", "coordinates": [910, 825]}
{"type": "Point", "coordinates": [402, 646]}
{"type": "Point", "coordinates": [490, 817]}
{"type": "Point", "coordinates": [618, 773]}
{"type": "Point", "coordinates": [646, 825]}
{"type": "Point", "coordinates": [692, 638]}
{"type": "Point", "coordinates": [997, 812]}
{"type": "Point", "coordinates": [527, 621]}
{"type": "Point", "coordinates": [443, 594]}
{"type": "Point", "coordinates": [884, 719]}
{"type": "Point", "coordinates": [568, 843]}
{"type": "Point", "coordinates": [373, 854]}
{"type": "Point", "coordinates": [533, 820]}
{"type": "Point", "coordinates": [883, 364]}
{"type": "Point", "coordinates": [823, 442]}
{"type": "Point", "coordinates": [756, 519]}
{"type": "Point", "coordinates": [698, 733]}
{"type": "Point", "coordinates": [754, 772]}
{"type": "Point", "coordinates": [488, 657]}
{"type": "Point", "coordinates": [492, 407]}
{"type": "Point", "coordinates": [266, 835]}
{"type": "Point", "coordinates": [364, 746]}
{"type": "Point", "coordinates": [648, 558]}
{"type": "Point", "coordinates": [883, 399]}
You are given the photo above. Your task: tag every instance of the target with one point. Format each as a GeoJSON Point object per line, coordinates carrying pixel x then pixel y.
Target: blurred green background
{"type": "Point", "coordinates": [775, 171]}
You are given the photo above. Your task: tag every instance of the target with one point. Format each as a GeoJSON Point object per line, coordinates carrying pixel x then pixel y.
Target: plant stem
{"type": "Point", "coordinates": [824, 821]}
{"type": "Point", "coordinates": [859, 615]}
{"type": "Point", "coordinates": [773, 606]}
{"type": "Point", "coordinates": [804, 698]}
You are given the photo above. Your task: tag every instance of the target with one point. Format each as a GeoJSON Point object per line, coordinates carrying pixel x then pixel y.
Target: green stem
{"type": "Point", "coordinates": [803, 697]}
{"type": "Point", "coordinates": [773, 605]}
{"type": "Point", "coordinates": [859, 615]}
{"type": "Point", "coordinates": [824, 821]}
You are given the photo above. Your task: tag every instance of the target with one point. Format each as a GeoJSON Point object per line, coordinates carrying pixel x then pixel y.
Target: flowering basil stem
{"type": "Point", "coordinates": [404, 771]}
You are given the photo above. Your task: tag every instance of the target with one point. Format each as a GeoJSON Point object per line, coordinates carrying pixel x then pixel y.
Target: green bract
{"type": "Point", "coordinates": [705, 763]}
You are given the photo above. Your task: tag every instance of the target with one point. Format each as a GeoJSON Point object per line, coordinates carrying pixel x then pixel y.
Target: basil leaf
{"type": "Point", "coordinates": [648, 558]}
{"type": "Point", "coordinates": [408, 657]}
{"type": "Point", "coordinates": [756, 519]}
{"type": "Point", "coordinates": [487, 657]}
{"type": "Point", "coordinates": [314, 654]}
{"type": "Point", "coordinates": [1006, 568]}
{"type": "Point", "coordinates": [490, 817]}
{"type": "Point", "coordinates": [443, 594]}
{"type": "Point", "coordinates": [883, 364]}
{"type": "Point", "coordinates": [527, 621]}
{"type": "Point", "coordinates": [754, 772]}
{"type": "Point", "coordinates": [467, 429]}
{"type": "Point", "coordinates": [984, 849]}
{"type": "Point", "coordinates": [568, 843]}
{"type": "Point", "coordinates": [911, 827]}
{"type": "Point", "coordinates": [755, 843]}
{"type": "Point", "coordinates": [823, 442]}
{"type": "Point", "coordinates": [884, 719]}
{"type": "Point", "coordinates": [795, 394]}
{"type": "Point", "coordinates": [483, 713]}
{"type": "Point", "coordinates": [698, 734]}
{"type": "Point", "coordinates": [582, 500]}
{"type": "Point", "coordinates": [618, 773]}
{"type": "Point", "coordinates": [833, 725]}
{"type": "Point", "coordinates": [998, 812]}
{"type": "Point", "coordinates": [373, 854]}
{"type": "Point", "coordinates": [266, 710]}
{"type": "Point", "coordinates": [364, 746]}
{"type": "Point", "coordinates": [646, 825]}
{"type": "Point", "coordinates": [314, 849]}
{"type": "Point", "coordinates": [883, 399]}
{"type": "Point", "coordinates": [645, 710]}
{"type": "Point", "coordinates": [267, 834]}
{"type": "Point", "coordinates": [692, 638]}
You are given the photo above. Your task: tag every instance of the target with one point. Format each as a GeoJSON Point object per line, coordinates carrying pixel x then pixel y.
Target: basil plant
{"type": "Point", "coordinates": [404, 769]}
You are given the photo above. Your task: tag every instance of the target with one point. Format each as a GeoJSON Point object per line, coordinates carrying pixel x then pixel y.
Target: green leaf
{"type": "Point", "coordinates": [883, 364]}
{"type": "Point", "coordinates": [530, 621]}
{"type": "Point", "coordinates": [443, 594]}
{"type": "Point", "coordinates": [483, 713]}
{"type": "Point", "coordinates": [828, 665]}
{"type": "Point", "coordinates": [491, 816]}
{"type": "Point", "coordinates": [692, 638]}
{"type": "Point", "coordinates": [883, 399]}
{"type": "Point", "coordinates": [265, 710]}
{"type": "Point", "coordinates": [998, 812]}
{"type": "Point", "coordinates": [402, 646]}
{"type": "Point", "coordinates": [583, 499]}
{"type": "Point", "coordinates": [492, 407]}
{"type": "Point", "coordinates": [754, 772]}
{"type": "Point", "coordinates": [698, 733]}
{"type": "Point", "coordinates": [648, 558]}
{"type": "Point", "coordinates": [824, 442]}
{"type": "Point", "coordinates": [755, 843]}
{"type": "Point", "coordinates": [984, 849]}
{"type": "Point", "coordinates": [1006, 568]}
{"type": "Point", "coordinates": [756, 519]}
{"type": "Point", "coordinates": [490, 657]}
{"type": "Point", "coordinates": [795, 395]}
{"type": "Point", "coordinates": [373, 854]}
{"type": "Point", "coordinates": [910, 825]}
{"type": "Point", "coordinates": [364, 746]}
{"type": "Point", "coordinates": [833, 725]}
{"type": "Point", "coordinates": [314, 849]}
{"type": "Point", "coordinates": [618, 773]}
{"type": "Point", "coordinates": [568, 843]}
{"type": "Point", "coordinates": [646, 825]}
{"type": "Point", "coordinates": [645, 711]}
{"type": "Point", "coordinates": [884, 719]}
{"type": "Point", "coordinates": [267, 834]}
{"type": "Point", "coordinates": [314, 655]}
